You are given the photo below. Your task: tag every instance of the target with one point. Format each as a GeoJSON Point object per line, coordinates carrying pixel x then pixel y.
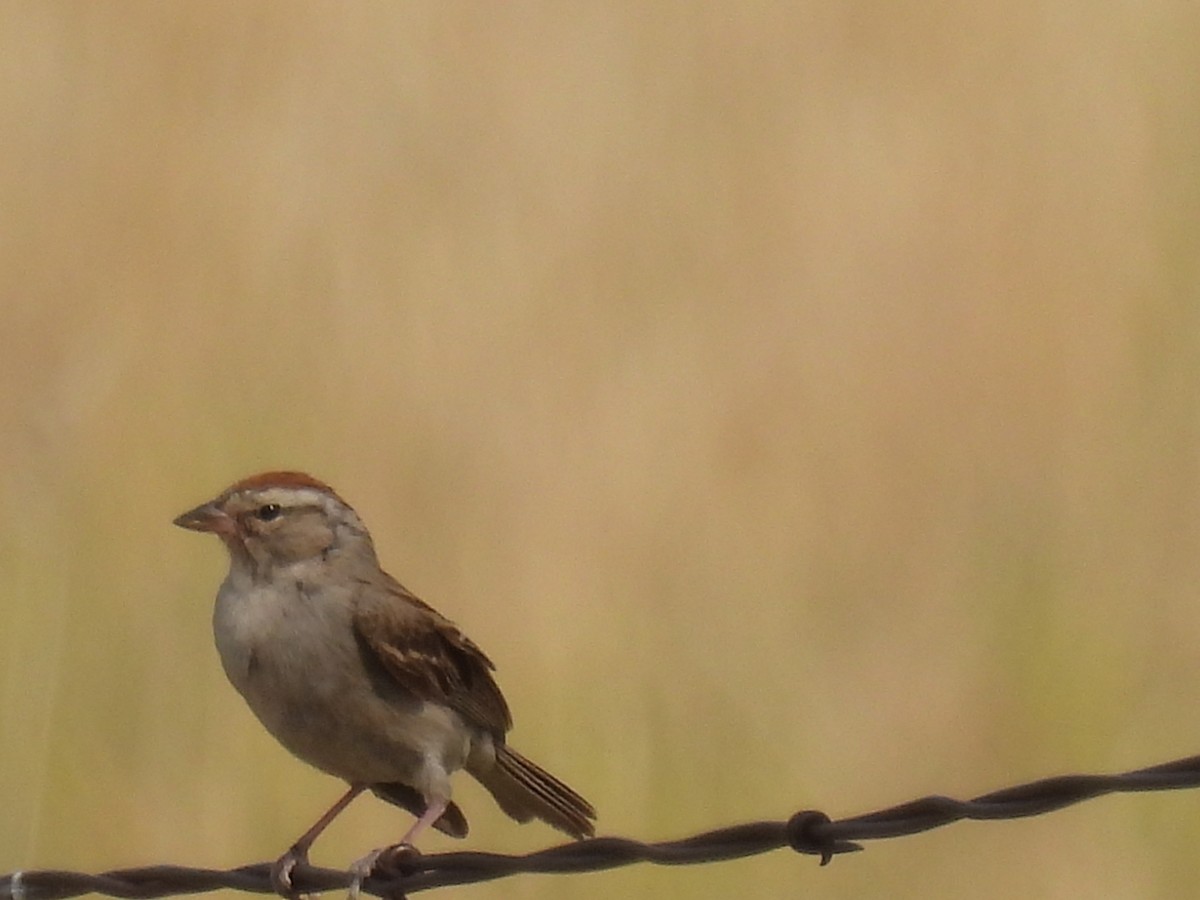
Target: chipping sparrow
{"type": "Point", "coordinates": [355, 675]}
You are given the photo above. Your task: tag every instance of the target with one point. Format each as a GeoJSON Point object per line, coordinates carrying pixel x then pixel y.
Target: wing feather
{"type": "Point", "coordinates": [428, 656]}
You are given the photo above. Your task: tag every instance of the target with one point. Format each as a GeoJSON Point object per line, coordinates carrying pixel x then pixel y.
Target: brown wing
{"type": "Point", "coordinates": [428, 656]}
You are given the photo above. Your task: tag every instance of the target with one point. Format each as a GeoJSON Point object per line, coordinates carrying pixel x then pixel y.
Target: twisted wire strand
{"type": "Point", "coordinates": [406, 871]}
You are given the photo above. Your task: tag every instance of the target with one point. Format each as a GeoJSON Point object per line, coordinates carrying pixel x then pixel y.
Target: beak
{"type": "Point", "coordinates": [207, 517]}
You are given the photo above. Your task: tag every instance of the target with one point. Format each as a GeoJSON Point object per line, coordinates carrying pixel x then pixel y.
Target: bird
{"type": "Point", "coordinates": [355, 675]}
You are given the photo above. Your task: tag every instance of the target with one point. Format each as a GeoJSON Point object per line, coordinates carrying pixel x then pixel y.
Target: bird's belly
{"type": "Point", "coordinates": [362, 738]}
{"type": "Point", "coordinates": [313, 692]}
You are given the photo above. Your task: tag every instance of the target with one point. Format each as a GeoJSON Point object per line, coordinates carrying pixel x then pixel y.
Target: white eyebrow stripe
{"type": "Point", "coordinates": [293, 496]}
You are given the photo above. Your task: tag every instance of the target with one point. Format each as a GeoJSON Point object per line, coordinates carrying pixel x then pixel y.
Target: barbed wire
{"type": "Point", "coordinates": [406, 871]}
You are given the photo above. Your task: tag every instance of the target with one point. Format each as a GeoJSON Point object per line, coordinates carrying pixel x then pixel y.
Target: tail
{"type": "Point", "coordinates": [525, 790]}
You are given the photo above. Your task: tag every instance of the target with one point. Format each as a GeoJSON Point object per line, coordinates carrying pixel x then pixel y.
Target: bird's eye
{"type": "Point", "coordinates": [268, 511]}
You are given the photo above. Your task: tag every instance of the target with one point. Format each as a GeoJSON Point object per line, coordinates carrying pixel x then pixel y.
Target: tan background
{"type": "Point", "coordinates": [799, 402]}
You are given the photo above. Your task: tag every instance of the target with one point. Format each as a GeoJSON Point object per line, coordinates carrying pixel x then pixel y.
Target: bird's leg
{"type": "Point", "coordinates": [431, 815]}
{"type": "Point", "coordinates": [281, 871]}
{"type": "Point", "coordinates": [361, 869]}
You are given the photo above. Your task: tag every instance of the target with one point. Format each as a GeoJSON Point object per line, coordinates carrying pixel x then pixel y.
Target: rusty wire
{"type": "Point", "coordinates": [407, 871]}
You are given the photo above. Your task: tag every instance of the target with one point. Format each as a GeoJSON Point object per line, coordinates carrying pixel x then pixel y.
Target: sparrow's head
{"type": "Point", "coordinates": [280, 518]}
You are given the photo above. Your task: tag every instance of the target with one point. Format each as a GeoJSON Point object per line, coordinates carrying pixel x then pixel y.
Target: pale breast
{"type": "Point", "coordinates": [294, 657]}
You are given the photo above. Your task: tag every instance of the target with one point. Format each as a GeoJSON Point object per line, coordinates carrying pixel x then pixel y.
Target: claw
{"type": "Point", "coordinates": [281, 872]}
{"type": "Point", "coordinates": [360, 870]}
{"type": "Point", "coordinates": [297, 854]}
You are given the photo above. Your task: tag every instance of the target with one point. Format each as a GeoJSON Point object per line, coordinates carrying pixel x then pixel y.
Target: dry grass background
{"type": "Point", "coordinates": [798, 401]}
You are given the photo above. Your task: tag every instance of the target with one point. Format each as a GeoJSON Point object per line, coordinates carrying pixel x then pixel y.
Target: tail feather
{"type": "Point", "coordinates": [524, 790]}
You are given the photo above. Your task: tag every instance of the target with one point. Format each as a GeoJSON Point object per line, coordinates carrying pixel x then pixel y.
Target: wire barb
{"type": "Point", "coordinates": [807, 834]}
{"type": "Point", "coordinates": [810, 831]}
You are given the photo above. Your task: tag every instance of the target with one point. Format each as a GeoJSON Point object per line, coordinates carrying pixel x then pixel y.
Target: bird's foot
{"type": "Point", "coordinates": [392, 858]}
{"type": "Point", "coordinates": [282, 868]}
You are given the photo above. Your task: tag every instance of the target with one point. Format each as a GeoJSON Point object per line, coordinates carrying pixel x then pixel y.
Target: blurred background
{"type": "Point", "coordinates": [799, 402]}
